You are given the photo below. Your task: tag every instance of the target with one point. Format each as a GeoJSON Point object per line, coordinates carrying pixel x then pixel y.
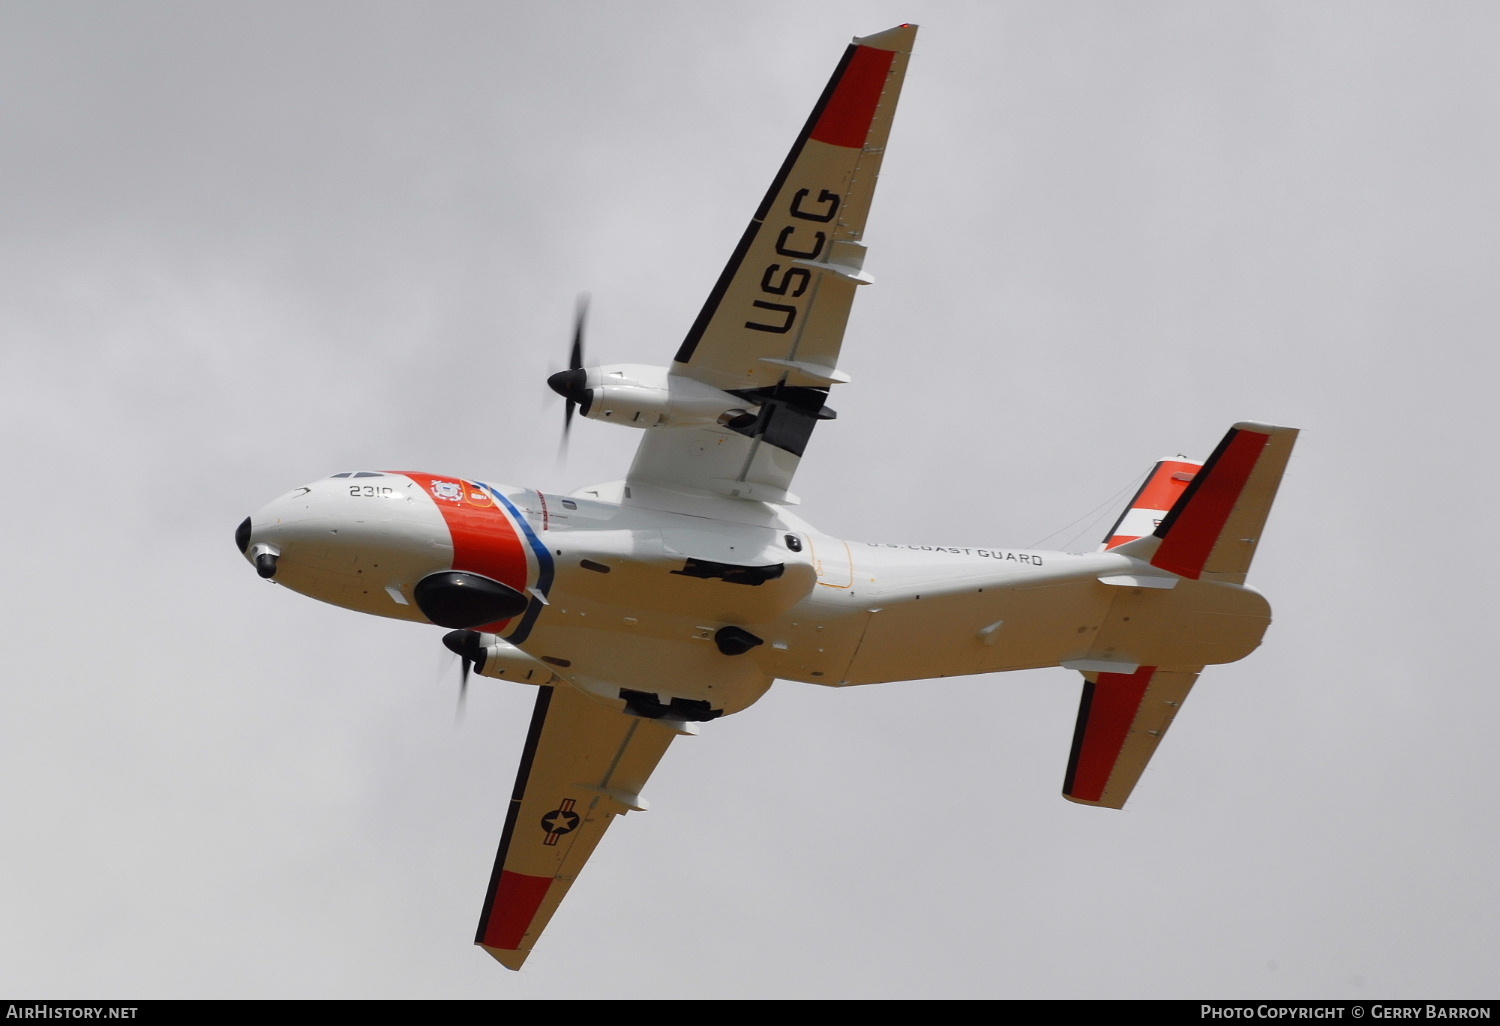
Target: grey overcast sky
{"type": "Point", "coordinates": [244, 245]}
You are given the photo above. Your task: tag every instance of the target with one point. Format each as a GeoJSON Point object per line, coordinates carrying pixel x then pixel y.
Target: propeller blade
{"type": "Point", "coordinates": [470, 651]}
{"type": "Point", "coordinates": [571, 383]}
{"type": "Point", "coordinates": [575, 358]}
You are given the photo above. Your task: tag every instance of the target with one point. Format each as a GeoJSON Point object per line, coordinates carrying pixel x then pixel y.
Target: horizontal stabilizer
{"type": "Point", "coordinates": [1121, 720]}
{"type": "Point", "coordinates": [1212, 530]}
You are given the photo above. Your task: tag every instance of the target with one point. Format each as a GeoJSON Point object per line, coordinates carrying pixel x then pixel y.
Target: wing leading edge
{"type": "Point", "coordinates": [772, 327]}
{"type": "Point", "coordinates": [583, 764]}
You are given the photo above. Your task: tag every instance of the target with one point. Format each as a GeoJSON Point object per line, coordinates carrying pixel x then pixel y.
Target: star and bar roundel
{"type": "Point", "coordinates": [561, 820]}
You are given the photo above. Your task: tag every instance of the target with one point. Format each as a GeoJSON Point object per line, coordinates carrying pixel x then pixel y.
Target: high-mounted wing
{"type": "Point", "coordinates": [771, 329]}
{"type": "Point", "coordinates": [583, 764]}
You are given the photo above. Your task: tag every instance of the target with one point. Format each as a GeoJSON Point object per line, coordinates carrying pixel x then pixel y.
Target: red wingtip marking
{"type": "Point", "coordinates": [1116, 698]}
{"type": "Point", "coordinates": [516, 902]}
{"type": "Point", "coordinates": [846, 119]}
{"type": "Point", "coordinates": [1190, 540]}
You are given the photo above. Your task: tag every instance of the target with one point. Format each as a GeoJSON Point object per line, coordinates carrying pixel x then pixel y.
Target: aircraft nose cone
{"type": "Point", "coordinates": [264, 556]}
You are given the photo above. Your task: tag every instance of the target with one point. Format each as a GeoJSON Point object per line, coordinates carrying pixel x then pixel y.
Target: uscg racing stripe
{"type": "Point", "coordinates": [487, 534]}
{"type": "Point", "coordinates": [544, 568]}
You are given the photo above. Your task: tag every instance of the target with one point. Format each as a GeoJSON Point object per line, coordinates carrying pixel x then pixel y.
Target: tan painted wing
{"type": "Point", "coordinates": [772, 327]}
{"type": "Point", "coordinates": [1121, 719]}
{"type": "Point", "coordinates": [583, 764]}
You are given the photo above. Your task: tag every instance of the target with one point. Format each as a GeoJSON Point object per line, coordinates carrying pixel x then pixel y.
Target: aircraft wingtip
{"type": "Point", "coordinates": [899, 39]}
{"type": "Point", "coordinates": [510, 959]}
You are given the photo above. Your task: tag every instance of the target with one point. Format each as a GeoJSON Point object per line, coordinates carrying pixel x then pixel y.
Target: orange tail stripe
{"type": "Point", "coordinates": [1160, 492]}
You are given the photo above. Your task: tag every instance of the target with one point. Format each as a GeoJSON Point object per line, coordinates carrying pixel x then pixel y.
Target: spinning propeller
{"type": "Point", "coordinates": [572, 383]}
{"type": "Point", "coordinates": [468, 646]}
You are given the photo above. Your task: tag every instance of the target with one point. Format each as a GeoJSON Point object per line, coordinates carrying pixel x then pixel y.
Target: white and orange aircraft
{"type": "Point", "coordinates": [644, 607]}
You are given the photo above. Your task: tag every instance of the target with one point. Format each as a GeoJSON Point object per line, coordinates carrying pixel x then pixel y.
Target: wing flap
{"type": "Point", "coordinates": [1121, 720]}
{"type": "Point", "coordinates": [583, 764]}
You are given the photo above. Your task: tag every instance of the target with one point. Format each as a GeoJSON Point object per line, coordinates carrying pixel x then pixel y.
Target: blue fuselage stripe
{"type": "Point", "coordinates": [543, 569]}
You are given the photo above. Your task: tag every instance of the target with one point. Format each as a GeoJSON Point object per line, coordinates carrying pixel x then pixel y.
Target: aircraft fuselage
{"type": "Point", "coordinates": [613, 595]}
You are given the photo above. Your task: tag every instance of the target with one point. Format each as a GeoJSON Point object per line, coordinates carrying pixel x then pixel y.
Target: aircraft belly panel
{"type": "Point", "coordinates": [744, 575]}
{"type": "Point", "coordinates": [814, 643]}
{"type": "Point", "coordinates": [669, 658]}
{"type": "Point", "coordinates": [978, 632]}
{"type": "Point", "coordinates": [1196, 623]}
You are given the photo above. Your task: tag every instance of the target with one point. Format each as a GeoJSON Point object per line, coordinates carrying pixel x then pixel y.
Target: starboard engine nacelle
{"type": "Point", "coordinates": [642, 396]}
